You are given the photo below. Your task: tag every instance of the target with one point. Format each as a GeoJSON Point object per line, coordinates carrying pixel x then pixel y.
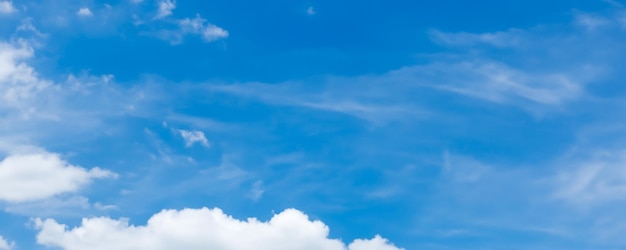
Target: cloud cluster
{"type": "Point", "coordinates": [198, 229]}
{"type": "Point", "coordinates": [29, 174]}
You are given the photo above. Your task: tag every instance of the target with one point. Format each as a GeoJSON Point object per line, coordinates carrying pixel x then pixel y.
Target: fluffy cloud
{"type": "Point", "coordinates": [200, 229]}
{"type": "Point", "coordinates": [193, 137]}
{"type": "Point", "coordinates": [36, 176]}
{"type": "Point", "coordinates": [6, 7]}
{"type": "Point", "coordinates": [6, 245]}
{"type": "Point", "coordinates": [377, 243]}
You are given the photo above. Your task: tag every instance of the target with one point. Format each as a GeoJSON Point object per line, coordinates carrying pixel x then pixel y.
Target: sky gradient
{"type": "Point", "coordinates": [317, 124]}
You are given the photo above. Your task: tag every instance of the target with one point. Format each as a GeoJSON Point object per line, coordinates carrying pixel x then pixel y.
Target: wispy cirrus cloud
{"type": "Point", "coordinates": [537, 69]}
{"type": "Point", "coordinates": [578, 193]}
{"type": "Point", "coordinates": [503, 39]}
{"type": "Point", "coordinates": [599, 180]}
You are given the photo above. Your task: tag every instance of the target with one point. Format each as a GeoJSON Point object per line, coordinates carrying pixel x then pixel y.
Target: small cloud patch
{"type": "Point", "coordinates": [193, 137]}
{"type": "Point", "coordinates": [84, 12]}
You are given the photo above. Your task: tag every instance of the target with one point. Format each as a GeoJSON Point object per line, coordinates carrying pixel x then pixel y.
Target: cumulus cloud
{"type": "Point", "coordinates": [6, 245]}
{"type": "Point", "coordinates": [200, 229]}
{"type": "Point", "coordinates": [165, 8]}
{"type": "Point", "coordinates": [377, 243]}
{"type": "Point", "coordinates": [41, 175]}
{"type": "Point", "coordinates": [84, 12]}
{"type": "Point", "coordinates": [193, 137]}
{"type": "Point", "coordinates": [6, 7]}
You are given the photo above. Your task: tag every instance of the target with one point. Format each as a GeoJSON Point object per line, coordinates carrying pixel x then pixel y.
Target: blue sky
{"type": "Point", "coordinates": [358, 125]}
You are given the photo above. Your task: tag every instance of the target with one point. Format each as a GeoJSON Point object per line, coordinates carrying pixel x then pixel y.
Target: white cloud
{"type": "Point", "coordinates": [372, 97]}
{"type": "Point", "coordinates": [25, 97]}
{"type": "Point", "coordinates": [197, 26]}
{"type": "Point", "coordinates": [377, 243]}
{"type": "Point", "coordinates": [6, 245]}
{"type": "Point", "coordinates": [18, 81]}
{"type": "Point", "coordinates": [363, 97]}
{"type": "Point", "coordinates": [6, 7]}
{"type": "Point", "coordinates": [41, 175]}
{"type": "Point", "coordinates": [498, 82]}
{"type": "Point", "coordinates": [165, 8]}
{"type": "Point", "coordinates": [193, 137]}
{"type": "Point", "coordinates": [197, 229]}
{"type": "Point", "coordinates": [540, 70]}
{"type": "Point", "coordinates": [84, 12]}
